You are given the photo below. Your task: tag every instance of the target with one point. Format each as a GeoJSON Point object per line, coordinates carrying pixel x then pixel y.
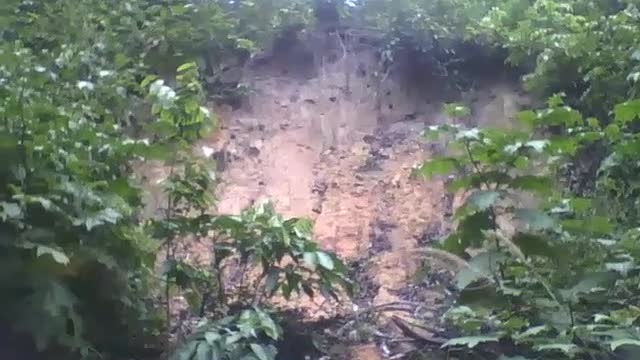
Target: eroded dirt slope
{"type": "Point", "coordinates": [340, 150]}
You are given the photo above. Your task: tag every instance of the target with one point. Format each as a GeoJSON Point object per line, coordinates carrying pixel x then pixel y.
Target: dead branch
{"type": "Point", "coordinates": [408, 328]}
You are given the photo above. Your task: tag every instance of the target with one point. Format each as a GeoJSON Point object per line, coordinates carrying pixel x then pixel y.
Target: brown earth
{"type": "Point", "coordinates": [339, 146]}
{"type": "Point", "coordinates": [329, 149]}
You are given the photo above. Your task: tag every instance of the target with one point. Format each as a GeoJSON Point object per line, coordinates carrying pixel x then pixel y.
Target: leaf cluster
{"type": "Point", "coordinates": [544, 275]}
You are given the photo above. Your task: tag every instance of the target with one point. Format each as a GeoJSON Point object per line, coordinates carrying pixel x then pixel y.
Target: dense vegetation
{"type": "Point", "coordinates": [78, 259]}
{"type": "Point", "coordinates": [89, 88]}
{"type": "Point", "coordinates": [559, 278]}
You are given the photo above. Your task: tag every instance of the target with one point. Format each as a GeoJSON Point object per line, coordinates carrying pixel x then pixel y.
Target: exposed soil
{"type": "Point", "coordinates": [338, 145]}
{"type": "Point", "coordinates": [327, 147]}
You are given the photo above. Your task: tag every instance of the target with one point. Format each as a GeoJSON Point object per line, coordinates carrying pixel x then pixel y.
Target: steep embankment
{"type": "Point", "coordinates": [337, 144]}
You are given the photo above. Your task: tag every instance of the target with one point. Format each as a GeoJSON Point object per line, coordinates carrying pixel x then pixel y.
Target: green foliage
{"type": "Point", "coordinates": [179, 112]}
{"type": "Point", "coordinates": [74, 77]}
{"type": "Point", "coordinates": [552, 285]}
{"type": "Point", "coordinates": [70, 203]}
{"type": "Point", "coordinates": [289, 260]}
{"type": "Point", "coordinates": [248, 335]}
{"type": "Point", "coordinates": [586, 49]}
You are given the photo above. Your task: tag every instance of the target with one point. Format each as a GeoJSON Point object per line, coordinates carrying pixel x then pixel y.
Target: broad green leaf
{"type": "Point", "coordinates": [460, 311]}
{"type": "Point", "coordinates": [148, 80]}
{"type": "Point", "coordinates": [624, 342]}
{"type": "Point", "coordinates": [594, 225]}
{"type": "Point", "coordinates": [537, 245]}
{"type": "Point", "coordinates": [622, 268]}
{"type": "Point", "coordinates": [565, 348]}
{"type": "Point", "coordinates": [532, 332]}
{"type": "Point", "coordinates": [481, 266]}
{"type": "Point", "coordinates": [555, 145]}
{"type": "Point", "coordinates": [269, 326]}
{"type": "Point", "coordinates": [453, 244]}
{"type": "Point", "coordinates": [187, 66]}
{"type": "Point", "coordinates": [593, 123]}
{"type": "Point", "coordinates": [211, 337]}
{"type": "Point", "coordinates": [470, 341]}
{"type": "Point", "coordinates": [102, 217]}
{"type": "Point", "coordinates": [553, 314]}
{"type": "Point", "coordinates": [627, 111]}
{"type": "Point", "coordinates": [216, 352]}
{"type": "Point", "coordinates": [535, 220]}
{"type": "Point", "coordinates": [470, 230]}
{"type": "Point", "coordinates": [555, 100]}
{"type": "Point", "coordinates": [438, 166]}
{"type": "Point", "coordinates": [466, 276]}
{"type": "Point", "coordinates": [509, 291]}
{"type": "Point", "coordinates": [458, 184]}
{"type": "Point", "coordinates": [630, 242]}
{"type": "Point", "coordinates": [260, 352]}
{"type": "Point", "coordinates": [612, 131]}
{"type": "Point", "coordinates": [482, 200]}
{"type": "Point", "coordinates": [580, 205]}
{"type": "Point", "coordinates": [514, 324]}
{"type": "Point", "coordinates": [10, 211]}
{"type": "Point", "coordinates": [588, 283]}
{"type": "Point", "coordinates": [310, 259]}
{"type": "Point", "coordinates": [325, 260]}
{"type": "Point", "coordinates": [228, 222]}
{"type": "Point", "coordinates": [275, 222]}
{"type": "Point", "coordinates": [527, 118]}
{"type": "Point", "coordinates": [203, 352]}
{"type": "Point", "coordinates": [521, 162]}
{"type": "Point", "coordinates": [57, 255]}
{"type": "Point", "coordinates": [563, 116]}
{"type": "Point", "coordinates": [186, 352]}
{"type": "Point", "coordinates": [303, 228]}
{"type": "Point", "coordinates": [540, 184]}
{"type": "Point", "coordinates": [245, 44]}
{"type": "Point", "coordinates": [233, 338]}
{"type": "Point", "coordinates": [626, 317]}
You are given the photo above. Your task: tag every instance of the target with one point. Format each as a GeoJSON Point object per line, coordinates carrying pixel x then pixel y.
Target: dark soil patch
{"type": "Point", "coordinates": [379, 237]}
{"type": "Point", "coordinates": [366, 286]}
{"type": "Point", "coordinates": [297, 342]}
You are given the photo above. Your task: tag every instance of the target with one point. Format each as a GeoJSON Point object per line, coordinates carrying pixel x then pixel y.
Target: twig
{"type": "Point", "coordinates": [476, 164]}
{"type": "Point", "coordinates": [544, 284]}
{"type": "Point", "coordinates": [400, 355]}
{"type": "Point", "coordinates": [402, 340]}
{"type": "Point", "coordinates": [417, 325]}
{"type": "Point", "coordinates": [392, 306]}
{"type": "Point", "coordinates": [407, 330]}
